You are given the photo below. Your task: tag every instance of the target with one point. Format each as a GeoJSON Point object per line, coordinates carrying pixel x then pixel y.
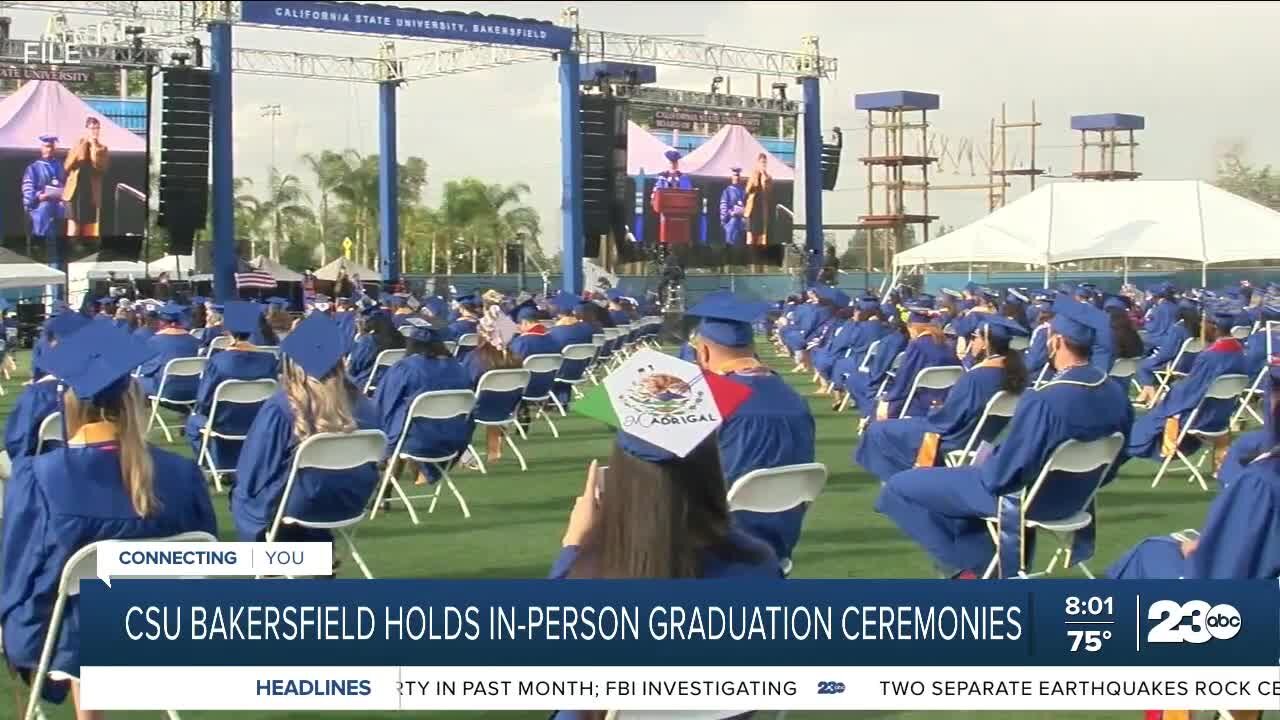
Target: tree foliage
{"type": "Point", "coordinates": [1236, 174]}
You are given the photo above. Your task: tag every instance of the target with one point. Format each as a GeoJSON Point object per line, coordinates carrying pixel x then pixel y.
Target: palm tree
{"type": "Point", "coordinates": [285, 209]}
{"type": "Point", "coordinates": [328, 168]}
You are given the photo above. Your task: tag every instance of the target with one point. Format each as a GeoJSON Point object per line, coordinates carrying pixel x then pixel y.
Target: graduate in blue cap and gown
{"type": "Point", "coordinates": [1186, 326]}
{"type": "Point", "coordinates": [427, 366]}
{"type": "Point", "coordinates": [569, 329]}
{"type": "Point", "coordinates": [315, 396]}
{"type": "Point", "coordinates": [803, 319]}
{"type": "Point", "coordinates": [891, 446]}
{"type": "Point", "coordinates": [240, 361]}
{"type": "Point", "coordinates": [822, 336]}
{"type": "Point", "coordinates": [850, 347]}
{"type": "Point", "coordinates": [772, 428]}
{"type": "Point", "coordinates": [39, 399]}
{"type": "Point", "coordinates": [170, 343]}
{"type": "Point", "coordinates": [43, 183]}
{"type": "Point", "coordinates": [864, 384]}
{"type": "Point", "coordinates": [1160, 315]}
{"type": "Point", "coordinates": [834, 346]}
{"type": "Point", "coordinates": [942, 509]}
{"type": "Point", "coordinates": [377, 334]}
{"type": "Point", "coordinates": [1247, 447]}
{"type": "Point", "coordinates": [928, 348]}
{"type": "Point", "coordinates": [1154, 433]}
{"type": "Point", "coordinates": [1240, 538]}
{"type": "Point", "coordinates": [672, 178]}
{"type": "Point", "coordinates": [212, 325]}
{"type": "Point", "coordinates": [468, 317]}
{"type": "Point", "coordinates": [812, 324]}
{"type": "Point", "coordinates": [733, 204]}
{"type": "Point", "coordinates": [534, 338]}
{"type": "Point", "coordinates": [1255, 347]}
{"type": "Point", "coordinates": [107, 483]}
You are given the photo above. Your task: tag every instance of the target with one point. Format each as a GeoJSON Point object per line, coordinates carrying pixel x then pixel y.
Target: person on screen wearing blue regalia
{"type": "Point", "coordinates": [105, 484]}
{"type": "Point", "coordinates": [43, 183]}
{"type": "Point", "coordinates": [1154, 433]}
{"type": "Point", "coordinates": [315, 397]}
{"type": "Point", "coordinates": [943, 509]}
{"type": "Point", "coordinates": [39, 400]}
{"type": "Point", "coordinates": [773, 428]}
{"type": "Point", "coordinates": [891, 446]}
{"type": "Point", "coordinates": [1240, 537]}
{"type": "Point", "coordinates": [928, 348]}
{"type": "Point", "coordinates": [240, 361]}
{"type": "Point", "coordinates": [672, 178]}
{"type": "Point", "coordinates": [1186, 326]}
{"type": "Point", "coordinates": [169, 343]}
{"type": "Point", "coordinates": [427, 366]}
{"type": "Point", "coordinates": [733, 203]}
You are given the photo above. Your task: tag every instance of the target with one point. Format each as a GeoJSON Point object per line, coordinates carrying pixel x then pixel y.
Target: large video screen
{"type": "Point", "coordinates": [74, 159]}
{"type": "Point", "coordinates": [736, 174]}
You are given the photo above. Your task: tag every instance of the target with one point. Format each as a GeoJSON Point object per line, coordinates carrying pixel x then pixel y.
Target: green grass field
{"type": "Point", "coordinates": [518, 518]}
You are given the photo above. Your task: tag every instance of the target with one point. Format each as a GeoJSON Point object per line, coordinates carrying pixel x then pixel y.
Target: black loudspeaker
{"type": "Point", "coordinates": [830, 165]}
{"type": "Point", "coordinates": [515, 257]}
{"type": "Point", "coordinates": [120, 247]}
{"type": "Point", "coordinates": [184, 154]}
{"type": "Point", "coordinates": [604, 168]}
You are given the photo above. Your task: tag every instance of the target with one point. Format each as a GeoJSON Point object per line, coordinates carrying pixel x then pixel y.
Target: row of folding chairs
{"type": "Point", "coordinates": [386, 358]}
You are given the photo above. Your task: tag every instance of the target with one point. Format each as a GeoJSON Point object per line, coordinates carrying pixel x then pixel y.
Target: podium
{"type": "Point", "coordinates": [676, 210]}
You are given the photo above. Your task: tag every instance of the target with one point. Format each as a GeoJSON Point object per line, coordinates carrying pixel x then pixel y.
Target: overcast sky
{"type": "Point", "coordinates": [1200, 72]}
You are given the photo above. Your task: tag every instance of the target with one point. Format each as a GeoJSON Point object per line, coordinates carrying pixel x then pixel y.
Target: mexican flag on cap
{"type": "Point", "coordinates": [664, 401]}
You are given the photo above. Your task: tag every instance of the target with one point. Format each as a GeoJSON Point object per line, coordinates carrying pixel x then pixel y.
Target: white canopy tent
{"type": "Point", "coordinates": [280, 272]}
{"type": "Point", "coordinates": [1185, 220]}
{"type": "Point", "coordinates": [20, 271]}
{"type": "Point", "coordinates": [175, 265]}
{"type": "Point", "coordinates": [353, 269]}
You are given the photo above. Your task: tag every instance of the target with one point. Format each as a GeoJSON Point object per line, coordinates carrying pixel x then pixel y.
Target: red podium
{"type": "Point", "coordinates": [676, 210]}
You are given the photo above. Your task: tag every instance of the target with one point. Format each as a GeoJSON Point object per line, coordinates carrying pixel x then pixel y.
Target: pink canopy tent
{"type": "Point", "coordinates": [47, 107]}
{"type": "Point", "coordinates": [733, 146]}
{"type": "Point", "coordinates": [646, 154]}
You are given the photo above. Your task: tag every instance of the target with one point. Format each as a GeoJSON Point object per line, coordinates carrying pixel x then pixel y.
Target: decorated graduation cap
{"type": "Point", "coordinates": [241, 317]}
{"type": "Point", "coordinates": [1078, 322]}
{"type": "Point", "coordinates": [316, 345]}
{"type": "Point", "coordinates": [672, 155]}
{"type": "Point", "coordinates": [727, 320]}
{"type": "Point", "coordinates": [97, 361]}
{"type": "Point", "coordinates": [420, 330]}
{"type": "Point", "coordinates": [662, 406]}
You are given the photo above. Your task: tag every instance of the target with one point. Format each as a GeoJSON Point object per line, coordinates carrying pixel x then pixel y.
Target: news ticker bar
{"type": "Point", "coordinates": [679, 688]}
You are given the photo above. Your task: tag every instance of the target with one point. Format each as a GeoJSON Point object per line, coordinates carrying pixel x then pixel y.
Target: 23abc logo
{"type": "Point", "coordinates": [1192, 622]}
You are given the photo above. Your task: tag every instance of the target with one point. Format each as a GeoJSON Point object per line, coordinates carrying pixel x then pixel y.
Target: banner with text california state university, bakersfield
{"type": "Point", "coordinates": [801, 644]}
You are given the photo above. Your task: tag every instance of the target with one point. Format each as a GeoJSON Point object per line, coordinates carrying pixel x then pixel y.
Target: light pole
{"type": "Point", "coordinates": [273, 112]}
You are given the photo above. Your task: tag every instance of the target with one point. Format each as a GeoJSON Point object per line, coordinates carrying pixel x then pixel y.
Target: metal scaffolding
{"type": "Point", "coordinates": [1110, 134]}
{"type": "Point", "coordinates": [1000, 170]}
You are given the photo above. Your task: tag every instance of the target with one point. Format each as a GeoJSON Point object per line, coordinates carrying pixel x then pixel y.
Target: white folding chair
{"type": "Point", "coordinates": [1165, 375]}
{"type": "Point", "coordinates": [1124, 369]}
{"type": "Point", "coordinates": [1072, 456]}
{"type": "Point", "coordinates": [615, 358]}
{"type": "Point", "coordinates": [1241, 332]}
{"type": "Point", "coordinates": [1225, 387]}
{"type": "Point", "coordinates": [235, 392]}
{"type": "Point", "coordinates": [451, 346]}
{"type": "Point", "coordinates": [82, 565]}
{"type": "Point", "coordinates": [501, 381]}
{"type": "Point", "coordinates": [774, 490]}
{"type": "Point", "coordinates": [465, 344]}
{"type": "Point", "coordinates": [273, 349]}
{"type": "Point", "coordinates": [332, 451]}
{"type": "Point", "coordinates": [1246, 398]}
{"type": "Point", "coordinates": [932, 378]}
{"type": "Point", "coordinates": [385, 359]}
{"type": "Point", "coordinates": [177, 367]}
{"type": "Point", "coordinates": [598, 341]}
{"type": "Point", "coordinates": [438, 405]}
{"type": "Point", "coordinates": [222, 342]}
{"type": "Point", "coordinates": [1002, 404]}
{"type": "Point", "coordinates": [50, 430]}
{"type": "Point", "coordinates": [543, 368]}
{"type": "Point", "coordinates": [872, 350]}
{"type": "Point", "coordinates": [574, 357]}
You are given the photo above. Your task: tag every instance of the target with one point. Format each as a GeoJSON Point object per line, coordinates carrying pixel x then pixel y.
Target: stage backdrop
{"type": "Point", "coordinates": [46, 107]}
{"type": "Point", "coordinates": [712, 143]}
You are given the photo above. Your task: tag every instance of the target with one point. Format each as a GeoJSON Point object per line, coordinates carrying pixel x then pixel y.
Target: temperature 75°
{"type": "Point", "coordinates": [1090, 640]}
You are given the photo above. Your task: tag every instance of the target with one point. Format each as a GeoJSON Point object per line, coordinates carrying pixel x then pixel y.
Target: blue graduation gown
{"type": "Point", "coordinates": [44, 215]}
{"type": "Point", "coordinates": [865, 386]}
{"type": "Point", "coordinates": [825, 357]}
{"type": "Point", "coordinates": [921, 353]}
{"type": "Point", "coordinates": [403, 382]}
{"type": "Point", "coordinates": [1167, 349]}
{"type": "Point", "coordinates": [619, 317]}
{"type": "Point", "coordinates": [807, 318]}
{"type": "Point", "coordinates": [144, 333]}
{"type": "Point", "coordinates": [1255, 352]}
{"type": "Point", "coordinates": [38, 401]}
{"type": "Point", "coordinates": [1037, 354]}
{"type": "Point", "coordinates": [891, 446]}
{"type": "Point", "coordinates": [772, 428]}
{"type": "Point", "coordinates": [861, 335]}
{"type": "Point", "coordinates": [1240, 539]}
{"type": "Point", "coordinates": [714, 565]}
{"type": "Point", "coordinates": [169, 345]}
{"type": "Point", "coordinates": [210, 332]}
{"type": "Point", "coordinates": [364, 352]}
{"type": "Point", "coordinates": [347, 324]}
{"type": "Point", "coordinates": [1160, 319]}
{"type": "Point", "coordinates": [57, 503]}
{"type": "Point", "coordinates": [673, 180]}
{"type": "Point", "coordinates": [317, 495]}
{"type": "Point", "coordinates": [1224, 357]}
{"type": "Point", "coordinates": [233, 419]}
{"type": "Point", "coordinates": [38, 351]}
{"type": "Point", "coordinates": [687, 353]}
{"type": "Point", "coordinates": [462, 326]}
{"type": "Point", "coordinates": [734, 224]}
{"type": "Point", "coordinates": [578, 333]}
{"type": "Point", "coordinates": [942, 509]}
{"type": "Point", "coordinates": [1244, 450]}
{"type": "Point", "coordinates": [526, 344]}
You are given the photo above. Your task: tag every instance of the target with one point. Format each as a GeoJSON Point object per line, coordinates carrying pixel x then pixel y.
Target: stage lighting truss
{"type": "Point", "coordinates": [647, 95]}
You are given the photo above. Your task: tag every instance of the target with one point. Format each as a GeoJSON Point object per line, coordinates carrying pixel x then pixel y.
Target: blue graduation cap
{"type": "Point", "coordinates": [564, 303]}
{"type": "Point", "coordinates": [727, 320]}
{"type": "Point", "coordinates": [48, 139]}
{"type": "Point", "coordinates": [105, 301]}
{"type": "Point", "coordinates": [525, 311]}
{"type": "Point", "coordinates": [96, 362]}
{"type": "Point", "coordinates": [672, 155]}
{"type": "Point", "coordinates": [924, 300]}
{"type": "Point", "coordinates": [840, 299]}
{"type": "Point", "coordinates": [1189, 303]}
{"type": "Point", "coordinates": [276, 301]}
{"type": "Point", "coordinates": [217, 307]}
{"type": "Point", "coordinates": [868, 303]}
{"type": "Point", "coordinates": [65, 323]}
{"type": "Point", "coordinates": [436, 306]}
{"type": "Point", "coordinates": [171, 312]}
{"type": "Point", "coordinates": [999, 327]}
{"type": "Point", "coordinates": [419, 330]}
{"type": "Point", "coordinates": [467, 300]}
{"type": "Point", "coordinates": [989, 294]}
{"type": "Point", "coordinates": [316, 345]}
{"type": "Point", "coordinates": [972, 287]}
{"type": "Point", "coordinates": [1117, 302]}
{"type": "Point", "coordinates": [918, 314]}
{"type": "Point", "coordinates": [242, 318]}
{"type": "Point", "coordinates": [953, 293]}
{"type": "Point", "coordinates": [1077, 321]}
{"type": "Point", "coordinates": [1016, 296]}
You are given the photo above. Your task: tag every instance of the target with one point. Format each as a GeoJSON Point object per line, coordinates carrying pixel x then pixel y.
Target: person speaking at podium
{"type": "Point", "coordinates": [672, 178]}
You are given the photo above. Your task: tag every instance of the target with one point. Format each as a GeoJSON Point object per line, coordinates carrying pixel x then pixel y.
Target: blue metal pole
{"type": "Point", "coordinates": [571, 173]}
{"type": "Point", "coordinates": [812, 175]}
{"type": "Point", "coordinates": [388, 165]}
{"type": "Point", "coordinates": [224, 223]}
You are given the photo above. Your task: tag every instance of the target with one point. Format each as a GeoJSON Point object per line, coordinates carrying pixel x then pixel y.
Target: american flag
{"type": "Point", "coordinates": [255, 279]}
